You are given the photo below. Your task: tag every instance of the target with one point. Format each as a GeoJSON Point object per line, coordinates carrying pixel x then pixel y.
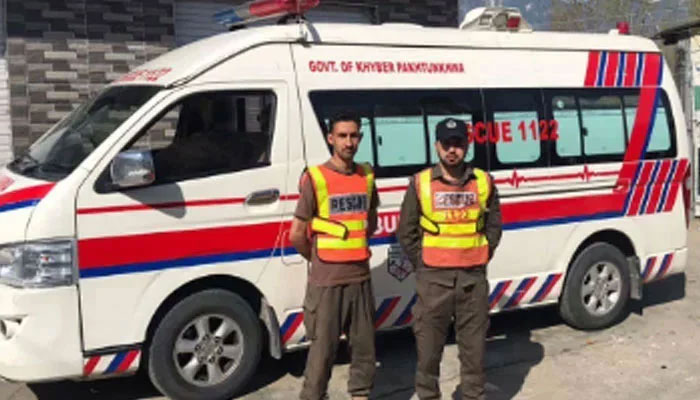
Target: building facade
{"type": "Point", "coordinates": [54, 54]}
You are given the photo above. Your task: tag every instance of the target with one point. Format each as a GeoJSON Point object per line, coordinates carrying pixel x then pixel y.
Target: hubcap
{"type": "Point", "coordinates": [208, 350]}
{"type": "Point", "coordinates": [601, 288]}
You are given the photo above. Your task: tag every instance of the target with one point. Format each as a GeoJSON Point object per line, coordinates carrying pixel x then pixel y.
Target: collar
{"type": "Point", "coordinates": [468, 174]}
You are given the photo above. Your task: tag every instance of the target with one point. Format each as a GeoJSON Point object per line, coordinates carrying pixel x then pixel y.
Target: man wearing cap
{"type": "Point", "coordinates": [449, 227]}
{"type": "Point", "coordinates": [338, 205]}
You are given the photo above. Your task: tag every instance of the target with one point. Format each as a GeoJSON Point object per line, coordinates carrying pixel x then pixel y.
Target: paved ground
{"type": "Point", "coordinates": [653, 354]}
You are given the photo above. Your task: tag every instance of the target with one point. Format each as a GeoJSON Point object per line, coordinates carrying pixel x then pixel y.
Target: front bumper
{"type": "Point", "coordinates": [39, 334]}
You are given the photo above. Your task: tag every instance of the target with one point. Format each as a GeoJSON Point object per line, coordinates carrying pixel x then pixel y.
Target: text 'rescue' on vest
{"type": "Point", "coordinates": [452, 220]}
{"type": "Point", "coordinates": [343, 206]}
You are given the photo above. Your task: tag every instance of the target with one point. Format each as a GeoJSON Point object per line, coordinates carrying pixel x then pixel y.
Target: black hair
{"type": "Point", "coordinates": [343, 116]}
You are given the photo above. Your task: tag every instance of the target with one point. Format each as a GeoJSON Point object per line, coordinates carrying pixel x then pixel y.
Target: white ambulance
{"type": "Point", "coordinates": [149, 228]}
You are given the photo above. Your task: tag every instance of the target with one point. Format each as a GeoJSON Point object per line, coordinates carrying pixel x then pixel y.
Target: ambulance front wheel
{"type": "Point", "coordinates": [597, 288]}
{"type": "Point", "coordinates": [206, 347]}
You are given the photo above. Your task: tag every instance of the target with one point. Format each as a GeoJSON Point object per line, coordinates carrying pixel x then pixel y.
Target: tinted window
{"type": "Point", "coordinates": [569, 144]}
{"type": "Point", "coordinates": [364, 152]}
{"type": "Point", "coordinates": [603, 125]}
{"type": "Point", "coordinates": [595, 125]}
{"type": "Point", "coordinates": [513, 128]}
{"type": "Point", "coordinates": [399, 135]}
{"type": "Point", "coordinates": [210, 133]}
{"type": "Point", "coordinates": [399, 126]}
{"type": "Point", "coordinates": [60, 150]}
{"type": "Point", "coordinates": [660, 139]}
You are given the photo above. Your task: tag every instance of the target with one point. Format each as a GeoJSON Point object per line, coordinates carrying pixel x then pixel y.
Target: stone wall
{"type": "Point", "coordinates": [61, 51]}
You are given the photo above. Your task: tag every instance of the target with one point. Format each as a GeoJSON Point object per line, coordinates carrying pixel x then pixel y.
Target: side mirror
{"type": "Point", "coordinates": [133, 168]}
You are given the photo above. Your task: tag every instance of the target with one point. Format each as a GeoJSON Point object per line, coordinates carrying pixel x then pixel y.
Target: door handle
{"type": "Point", "coordinates": [263, 197]}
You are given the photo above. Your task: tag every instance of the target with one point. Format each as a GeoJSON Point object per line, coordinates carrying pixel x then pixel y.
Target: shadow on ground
{"type": "Point", "coordinates": [509, 345]}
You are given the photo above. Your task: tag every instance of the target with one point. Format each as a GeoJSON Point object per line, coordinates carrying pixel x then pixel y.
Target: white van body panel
{"type": "Point", "coordinates": [137, 247]}
{"type": "Point", "coordinates": [154, 214]}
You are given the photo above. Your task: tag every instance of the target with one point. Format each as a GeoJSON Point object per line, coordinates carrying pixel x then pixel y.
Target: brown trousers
{"type": "Point", "coordinates": [467, 302]}
{"type": "Point", "coordinates": [328, 313]}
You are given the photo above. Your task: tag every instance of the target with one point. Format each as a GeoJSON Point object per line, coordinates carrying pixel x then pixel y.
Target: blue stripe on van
{"type": "Point", "coordinates": [621, 68]}
{"type": "Point", "coordinates": [601, 68]}
{"type": "Point", "coordinates": [18, 205]}
{"type": "Point", "coordinates": [640, 68]}
{"type": "Point", "coordinates": [650, 187]}
{"type": "Point", "coordinates": [242, 256]}
{"type": "Point", "coordinates": [664, 196]}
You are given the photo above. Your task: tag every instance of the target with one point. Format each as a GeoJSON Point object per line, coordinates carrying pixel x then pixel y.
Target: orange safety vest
{"type": "Point", "coordinates": [343, 204]}
{"type": "Point", "coordinates": [452, 219]}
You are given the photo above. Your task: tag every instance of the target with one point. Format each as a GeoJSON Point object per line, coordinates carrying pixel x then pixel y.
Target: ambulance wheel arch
{"type": "Point", "coordinates": [591, 248]}
{"type": "Point", "coordinates": [207, 346]}
{"type": "Point", "coordinates": [148, 318]}
{"type": "Point", "coordinates": [622, 236]}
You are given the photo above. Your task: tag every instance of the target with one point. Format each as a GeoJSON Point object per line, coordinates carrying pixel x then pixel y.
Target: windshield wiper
{"type": "Point", "coordinates": [55, 167]}
{"type": "Point", "coordinates": [25, 162]}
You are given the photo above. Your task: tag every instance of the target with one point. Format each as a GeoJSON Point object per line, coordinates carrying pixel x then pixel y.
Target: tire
{"type": "Point", "coordinates": [194, 324]}
{"type": "Point", "coordinates": [607, 305]}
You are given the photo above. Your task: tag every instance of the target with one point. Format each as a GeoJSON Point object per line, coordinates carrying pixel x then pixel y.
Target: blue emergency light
{"type": "Point", "coordinates": [262, 9]}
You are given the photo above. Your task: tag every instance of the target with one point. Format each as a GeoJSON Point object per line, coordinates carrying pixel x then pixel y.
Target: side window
{"type": "Point", "coordinates": [596, 125]}
{"type": "Point", "coordinates": [398, 126]}
{"type": "Point", "coordinates": [569, 145]}
{"type": "Point", "coordinates": [603, 126]}
{"type": "Point", "coordinates": [399, 135]}
{"type": "Point", "coordinates": [513, 129]}
{"type": "Point", "coordinates": [210, 133]}
{"type": "Point", "coordinates": [660, 139]}
{"type": "Point", "coordinates": [365, 152]}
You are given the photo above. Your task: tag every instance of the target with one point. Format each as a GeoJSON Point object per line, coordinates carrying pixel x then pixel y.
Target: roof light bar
{"type": "Point", "coordinates": [262, 9]}
{"type": "Point", "coordinates": [495, 19]}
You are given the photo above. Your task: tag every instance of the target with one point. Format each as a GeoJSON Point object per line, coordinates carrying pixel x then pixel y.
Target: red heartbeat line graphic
{"type": "Point", "coordinates": [516, 180]}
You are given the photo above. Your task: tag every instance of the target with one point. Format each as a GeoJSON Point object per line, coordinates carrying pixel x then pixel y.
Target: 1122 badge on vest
{"type": "Point", "coordinates": [348, 203]}
{"type": "Point", "coordinates": [447, 200]}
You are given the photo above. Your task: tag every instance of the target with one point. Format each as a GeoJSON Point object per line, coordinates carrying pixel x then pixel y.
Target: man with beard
{"type": "Point", "coordinates": [449, 227]}
{"type": "Point", "coordinates": [338, 205]}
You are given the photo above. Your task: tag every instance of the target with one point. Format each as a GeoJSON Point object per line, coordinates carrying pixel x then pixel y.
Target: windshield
{"type": "Point", "coordinates": [60, 150]}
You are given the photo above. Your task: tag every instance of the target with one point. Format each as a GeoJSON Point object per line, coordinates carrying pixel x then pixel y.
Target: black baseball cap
{"type": "Point", "coordinates": [449, 128]}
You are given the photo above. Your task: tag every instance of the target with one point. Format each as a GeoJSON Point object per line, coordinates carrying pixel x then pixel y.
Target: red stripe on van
{"type": "Point", "coordinates": [640, 188]}
{"type": "Point", "coordinates": [612, 67]}
{"type": "Point", "coordinates": [676, 185]}
{"type": "Point", "coordinates": [197, 203]}
{"type": "Point", "coordinates": [658, 187]}
{"type": "Point", "coordinates": [128, 361]}
{"type": "Point", "coordinates": [26, 194]}
{"type": "Point", "coordinates": [640, 131]}
{"type": "Point", "coordinates": [562, 208]}
{"type": "Point", "coordinates": [592, 70]}
{"type": "Point", "coordinates": [90, 365]}
{"type": "Point", "coordinates": [652, 70]}
{"type": "Point", "coordinates": [154, 247]}
{"type": "Point", "coordinates": [630, 69]}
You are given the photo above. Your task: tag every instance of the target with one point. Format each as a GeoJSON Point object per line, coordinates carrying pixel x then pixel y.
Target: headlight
{"type": "Point", "coordinates": [38, 264]}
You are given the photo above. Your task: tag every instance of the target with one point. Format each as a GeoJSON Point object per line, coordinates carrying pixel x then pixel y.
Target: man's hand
{"type": "Point", "coordinates": [299, 239]}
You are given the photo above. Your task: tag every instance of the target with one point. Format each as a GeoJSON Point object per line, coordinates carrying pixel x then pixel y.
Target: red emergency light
{"type": "Point", "coordinates": [263, 9]}
{"type": "Point", "coordinates": [513, 22]}
{"type": "Point", "coordinates": [623, 28]}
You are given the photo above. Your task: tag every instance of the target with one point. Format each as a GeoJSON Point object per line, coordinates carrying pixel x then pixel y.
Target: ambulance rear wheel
{"type": "Point", "coordinates": [206, 347]}
{"type": "Point", "coordinates": [597, 288]}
